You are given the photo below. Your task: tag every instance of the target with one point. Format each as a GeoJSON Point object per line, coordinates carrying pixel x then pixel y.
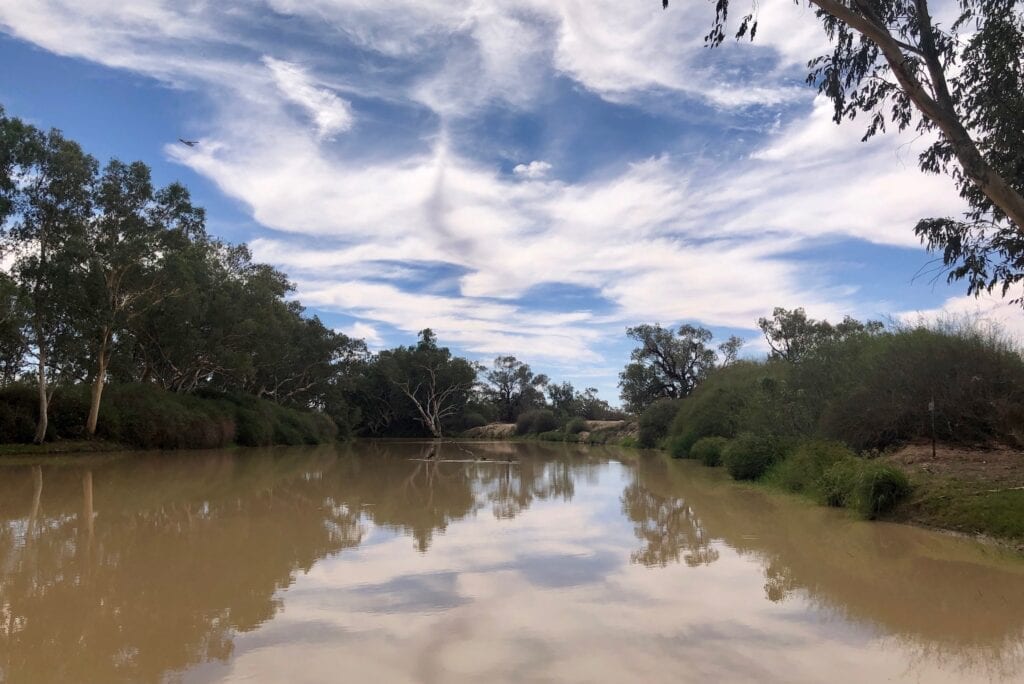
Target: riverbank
{"type": "Point", "coordinates": [611, 432]}
{"type": "Point", "coordinates": [974, 492]}
{"type": "Point", "coordinates": [978, 492]}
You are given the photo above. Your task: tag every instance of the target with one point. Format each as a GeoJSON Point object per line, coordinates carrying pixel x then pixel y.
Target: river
{"type": "Point", "coordinates": [409, 562]}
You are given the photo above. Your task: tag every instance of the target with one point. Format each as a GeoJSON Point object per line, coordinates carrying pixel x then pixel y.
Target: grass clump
{"type": "Point", "coordinates": [870, 488]}
{"type": "Point", "coordinates": [879, 488]}
{"type": "Point", "coordinates": [749, 456]}
{"type": "Point", "coordinates": [708, 450]}
{"type": "Point", "coordinates": [536, 421]}
{"type": "Point", "coordinates": [802, 470]}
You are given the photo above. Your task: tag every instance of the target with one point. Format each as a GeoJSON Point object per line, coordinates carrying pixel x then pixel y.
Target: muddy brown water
{"type": "Point", "coordinates": [542, 563]}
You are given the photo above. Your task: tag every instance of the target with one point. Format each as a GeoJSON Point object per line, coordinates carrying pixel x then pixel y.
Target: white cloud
{"type": "Point", "coordinates": [330, 113]}
{"type": "Point", "coordinates": [992, 309]}
{"type": "Point", "coordinates": [533, 170]}
{"type": "Point", "coordinates": [660, 238]}
{"type": "Point", "coordinates": [365, 332]}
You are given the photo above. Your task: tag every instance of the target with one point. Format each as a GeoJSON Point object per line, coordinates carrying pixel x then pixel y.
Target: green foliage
{"type": "Point", "coordinates": [879, 488]}
{"type": "Point", "coordinates": [655, 421]}
{"type": "Point", "coordinates": [974, 375]}
{"type": "Point", "coordinates": [749, 456]}
{"type": "Point", "coordinates": [802, 470]}
{"type": "Point", "coordinates": [708, 450]}
{"type": "Point", "coordinates": [147, 417]}
{"type": "Point", "coordinates": [552, 436]}
{"type": "Point", "coordinates": [678, 447]}
{"type": "Point", "coordinates": [536, 421]}
{"type": "Point", "coordinates": [18, 407]}
{"type": "Point", "coordinates": [959, 83]}
{"type": "Point", "coordinates": [668, 363]}
{"type": "Point", "coordinates": [576, 426]}
{"type": "Point", "coordinates": [740, 397]}
{"type": "Point", "coordinates": [839, 482]}
{"type": "Point", "coordinates": [870, 488]}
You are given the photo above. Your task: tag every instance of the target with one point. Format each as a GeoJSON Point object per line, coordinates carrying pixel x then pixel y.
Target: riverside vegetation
{"type": "Point", "coordinates": [122, 322]}
{"type": "Point", "coordinates": [828, 414]}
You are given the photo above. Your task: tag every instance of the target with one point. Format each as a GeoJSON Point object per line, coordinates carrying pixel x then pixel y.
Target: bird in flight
{"type": "Point", "coordinates": [190, 143]}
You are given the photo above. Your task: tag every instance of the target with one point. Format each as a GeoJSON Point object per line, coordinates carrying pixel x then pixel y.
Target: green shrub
{"type": "Point", "coordinates": [655, 421]}
{"type": "Point", "coordinates": [552, 436]}
{"type": "Point", "coordinates": [742, 397]}
{"type": "Point", "coordinates": [629, 442]}
{"type": "Point", "coordinates": [472, 420]}
{"type": "Point", "coordinates": [576, 426]}
{"type": "Point", "coordinates": [838, 483]}
{"type": "Point", "coordinates": [802, 470]}
{"type": "Point", "coordinates": [749, 456]}
{"type": "Point", "coordinates": [19, 406]}
{"type": "Point", "coordinates": [536, 421]}
{"type": "Point", "coordinates": [708, 450]}
{"type": "Point", "coordinates": [677, 447]}
{"type": "Point", "coordinates": [880, 487]}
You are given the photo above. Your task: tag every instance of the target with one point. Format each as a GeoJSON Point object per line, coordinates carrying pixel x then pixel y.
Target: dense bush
{"type": "Point", "coordinates": [147, 417]}
{"type": "Point", "coordinates": [655, 421]}
{"type": "Point", "coordinates": [869, 390]}
{"type": "Point", "coordinates": [974, 375]}
{"type": "Point", "coordinates": [749, 456]}
{"type": "Point", "coordinates": [708, 450]}
{"type": "Point", "coordinates": [536, 421]}
{"type": "Point", "coordinates": [18, 408]}
{"type": "Point", "coordinates": [737, 398]}
{"type": "Point", "coordinates": [576, 426]}
{"type": "Point", "coordinates": [678, 447]}
{"type": "Point", "coordinates": [803, 468]}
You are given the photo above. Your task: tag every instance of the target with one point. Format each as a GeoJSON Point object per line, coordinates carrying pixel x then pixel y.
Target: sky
{"type": "Point", "coordinates": [525, 177]}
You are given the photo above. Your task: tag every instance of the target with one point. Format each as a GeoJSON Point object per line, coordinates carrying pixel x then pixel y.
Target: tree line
{"type": "Point", "coordinates": [110, 280]}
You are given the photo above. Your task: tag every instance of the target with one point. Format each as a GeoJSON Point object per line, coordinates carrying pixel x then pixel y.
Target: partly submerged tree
{"type": "Point", "coordinates": [962, 83]}
{"type": "Point", "coordinates": [669, 363]}
{"type": "Point", "coordinates": [435, 382]}
{"type": "Point", "coordinates": [513, 387]}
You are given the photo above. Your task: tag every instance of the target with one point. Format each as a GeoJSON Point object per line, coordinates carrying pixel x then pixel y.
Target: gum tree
{"type": "Point", "coordinates": [961, 84]}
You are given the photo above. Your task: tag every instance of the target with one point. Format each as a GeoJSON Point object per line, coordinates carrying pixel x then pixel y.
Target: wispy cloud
{"type": "Point", "coordinates": [667, 236]}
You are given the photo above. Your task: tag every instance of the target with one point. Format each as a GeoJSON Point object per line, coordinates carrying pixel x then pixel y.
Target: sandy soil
{"type": "Point", "coordinates": [1000, 467]}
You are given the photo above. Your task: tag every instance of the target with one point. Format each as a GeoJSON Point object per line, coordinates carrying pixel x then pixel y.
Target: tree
{"type": "Point", "coordinates": [792, 335]}
{"type": "Point", "coordinates": [513, 387]}
{"type": "Point", "coordinates": [437, 384]}
{"type": "Point", "coordinates": [963, 83]}
{"type": "Point", "coordinates": [668, 364]}
{"type": "Point", "coordinates": [47, 196]}
{"type": "Point", "coordinates": [126, 244]}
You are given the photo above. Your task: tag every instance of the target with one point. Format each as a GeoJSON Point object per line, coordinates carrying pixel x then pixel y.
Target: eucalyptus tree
{"type": "Point", "coordinates": [513, 387]}
{"type": "Point", "coordinates": [669, 364]}
{"type": "Point", "coordinates": [961, 84]}
{"type": "Point", "coordinates": [126, 240]}
{"type": "Point", "coordinates": [13, 325]}
{"type": "Point", "coordinates": [792, 335]}
{"type": "Point", "coordinates": [435, 382]}
{"type": "Point", "coordinates": [47, 189]}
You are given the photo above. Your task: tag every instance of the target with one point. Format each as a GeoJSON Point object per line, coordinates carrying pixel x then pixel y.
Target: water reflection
{"type": "Point", "coordinates": [144, 567]}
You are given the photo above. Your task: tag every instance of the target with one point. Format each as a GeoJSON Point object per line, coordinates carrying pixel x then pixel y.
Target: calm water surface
{"type": "Point", "coordinates": [564, 564]}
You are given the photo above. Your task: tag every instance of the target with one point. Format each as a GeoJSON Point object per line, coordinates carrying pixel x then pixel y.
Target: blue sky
{"type": "Point", "coordinates": [524, 177]}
